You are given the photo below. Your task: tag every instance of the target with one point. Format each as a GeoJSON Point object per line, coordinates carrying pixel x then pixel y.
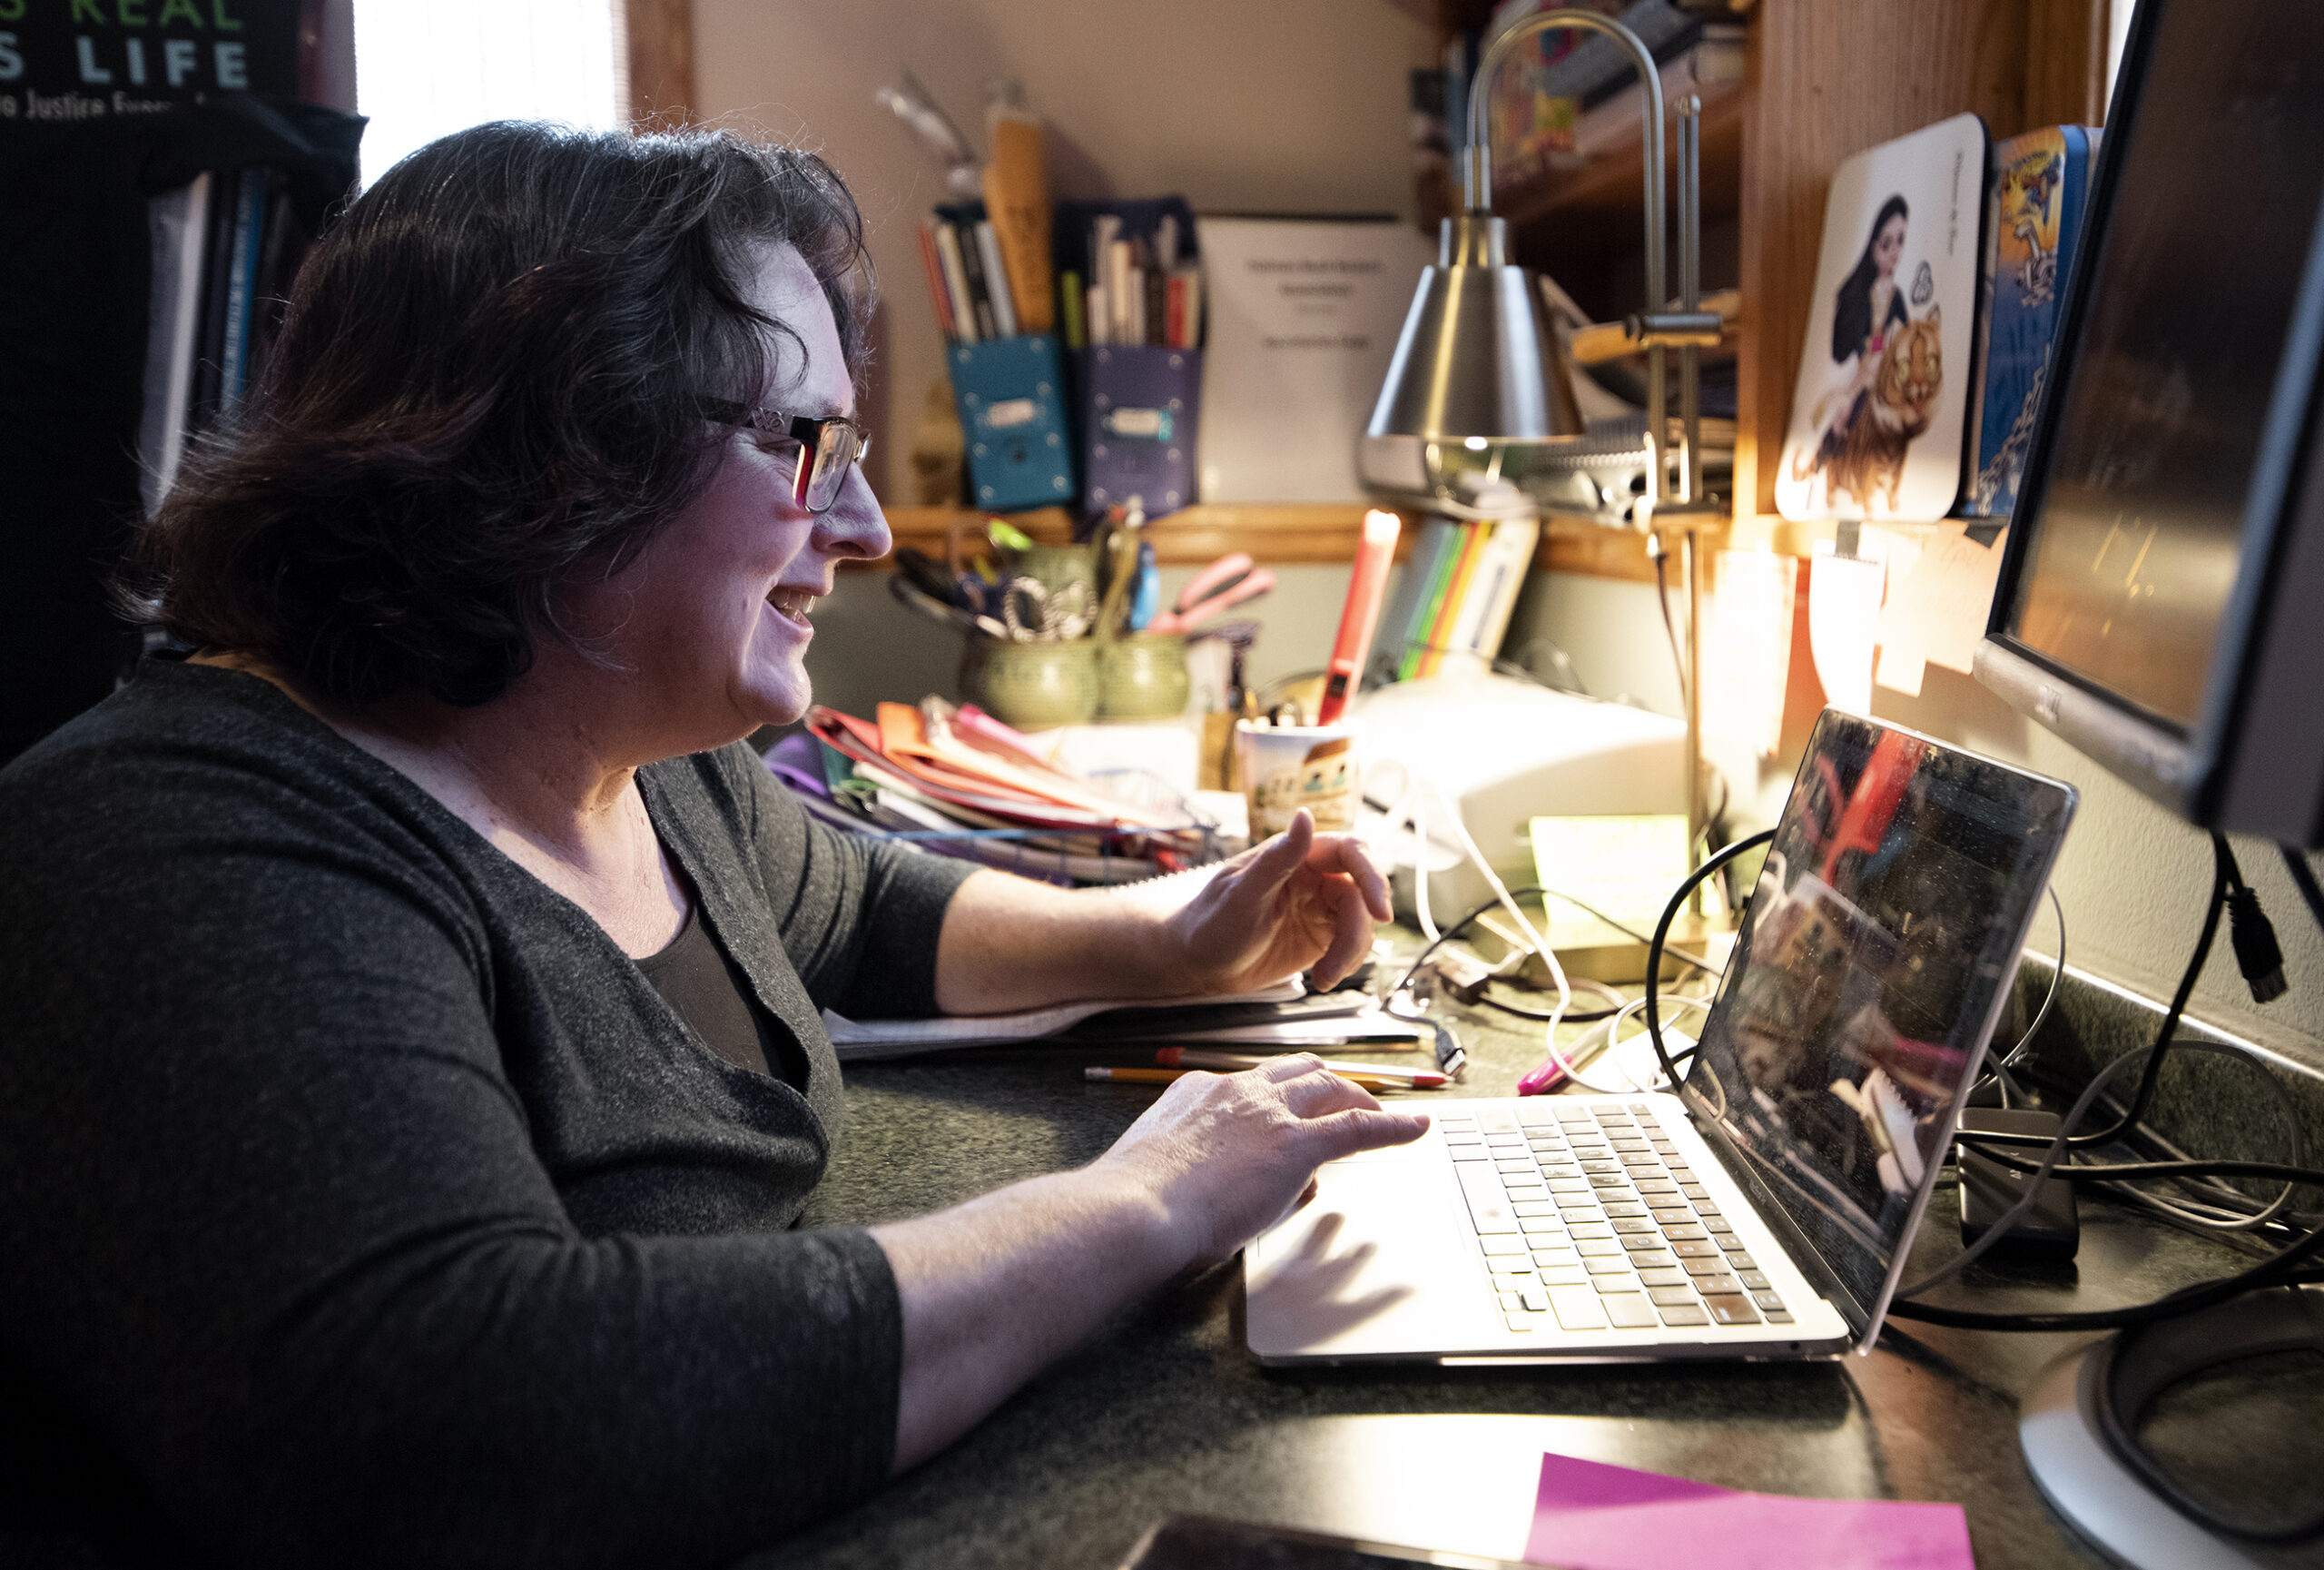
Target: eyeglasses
{"type": "Point", "coordinates": [826, 446]}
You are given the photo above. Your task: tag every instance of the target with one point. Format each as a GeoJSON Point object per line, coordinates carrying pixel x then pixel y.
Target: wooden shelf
{"type": "Point", "coordinates": [1594, 210]}
{"type": "Point", "coordinates": [1284, 534]}
{"type": "Point", "coordinates": [1277, 533]}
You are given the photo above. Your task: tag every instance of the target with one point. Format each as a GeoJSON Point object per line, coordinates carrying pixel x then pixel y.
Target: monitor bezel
{"type": "Point", "coordinates": [2187, 769]}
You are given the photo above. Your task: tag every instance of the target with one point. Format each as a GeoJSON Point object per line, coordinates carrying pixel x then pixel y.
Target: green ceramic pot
{"type": "Point", "coordinates": [1033, 686]}
{"type": "Point", "coordinates": [1143, 675]}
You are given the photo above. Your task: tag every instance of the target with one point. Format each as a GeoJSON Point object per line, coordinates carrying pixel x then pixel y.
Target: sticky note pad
{"type": "Point", "coordinates": [1593, 1516]}
{"type": "Point", "coordinates": [1625, 865]}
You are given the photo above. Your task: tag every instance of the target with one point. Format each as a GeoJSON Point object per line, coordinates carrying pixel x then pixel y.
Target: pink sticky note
{"type": "Point", "coordinates": [1591, 1517]}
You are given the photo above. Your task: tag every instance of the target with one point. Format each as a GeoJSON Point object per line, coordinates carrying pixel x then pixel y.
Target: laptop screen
{"type": "Point", "coordinates": [1867, 980]}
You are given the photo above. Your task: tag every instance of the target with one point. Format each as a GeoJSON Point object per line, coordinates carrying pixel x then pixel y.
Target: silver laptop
{"type": "Point", "coordinates": [1764, 1210]}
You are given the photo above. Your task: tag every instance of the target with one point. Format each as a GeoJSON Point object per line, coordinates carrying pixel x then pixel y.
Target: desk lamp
{"type": "Point", "coordinates": [1479, 368]}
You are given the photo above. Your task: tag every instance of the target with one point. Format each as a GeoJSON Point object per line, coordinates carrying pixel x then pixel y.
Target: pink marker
{"type": "Point", "coordinates": [1362, 612]}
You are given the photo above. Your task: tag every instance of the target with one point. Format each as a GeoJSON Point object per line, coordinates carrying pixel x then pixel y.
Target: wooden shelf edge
{"type": "Point", "coordinates": [1285, 534]}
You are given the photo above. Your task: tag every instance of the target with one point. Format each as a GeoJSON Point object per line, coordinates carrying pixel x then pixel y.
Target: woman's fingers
{"type": "Point", "coordinates": [1344, 855]}
{"type": "Point", "coordinates": [1358, 1129]}
{"type": "Point", "coordinates": [1279, 857]}
{"type": "Point", "coordinates": [1351, 929]}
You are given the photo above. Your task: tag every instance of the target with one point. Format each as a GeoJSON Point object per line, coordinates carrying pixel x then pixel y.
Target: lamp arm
{"type": "Point", "coordinates": [1476, 165]}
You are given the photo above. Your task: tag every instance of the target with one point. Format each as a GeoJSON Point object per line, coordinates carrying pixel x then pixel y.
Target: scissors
{"type": "Point", "coordinates": [1228, 581]}
{"type": "Point", "coordinates": [1029, 610]}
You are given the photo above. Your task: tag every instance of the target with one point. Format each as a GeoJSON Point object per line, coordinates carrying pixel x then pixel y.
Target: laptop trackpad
{"type": "Point", "coordinates": [1379, 1263]}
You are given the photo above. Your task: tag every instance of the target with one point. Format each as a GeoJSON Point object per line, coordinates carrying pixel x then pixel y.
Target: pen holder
{"type": "Point", "coordinates": [1140, 405]}
{"type": "Point", "coordinates": [1013, 418]}
{"type": "Point", "coordinates": [1143, 675]}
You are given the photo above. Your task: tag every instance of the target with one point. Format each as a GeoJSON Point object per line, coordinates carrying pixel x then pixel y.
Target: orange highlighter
{"type": "Point", "coordinates": [1362, 612]}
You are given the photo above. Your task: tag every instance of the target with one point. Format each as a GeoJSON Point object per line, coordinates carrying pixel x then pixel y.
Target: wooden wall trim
{"type": "Point", "coordinates": [1295, 534]}
{"type": "Point", "coordinates": [660, 61]}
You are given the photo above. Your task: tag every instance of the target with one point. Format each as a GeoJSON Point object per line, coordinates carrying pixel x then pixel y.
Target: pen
{"type": "Point", "coordinates": [1204, 1058]}
{"type": "Point", "coordinates": [1361, 613]}
{"type": "Point", "coordinates": [1163, 1076]}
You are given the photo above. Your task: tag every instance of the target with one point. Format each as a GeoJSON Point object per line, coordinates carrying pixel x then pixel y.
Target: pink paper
{"type": "Point", "coordinates": [1591, 1517]}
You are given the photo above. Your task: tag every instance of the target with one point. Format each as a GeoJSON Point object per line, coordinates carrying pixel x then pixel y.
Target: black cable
{"type": "Point", "coordinates": [2249, 932]}
{"type": "Point", "coordinates": [1654, 947]}
{"type": "Point", "coordinates": [1573, 983]}
{"type": "Point", "coordinates": [2135, 1113]}
{"type": "Point", "coordinates": [2282, 1267]}
{"type": "Point", "coordinates": [2119, 1431]}
{"type": "Point", "coordinates": [2279, 1268]}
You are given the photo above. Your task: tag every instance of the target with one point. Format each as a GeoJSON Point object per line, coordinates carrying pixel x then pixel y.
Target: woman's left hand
{"type": "Point", "coordinates": [1301, 901]}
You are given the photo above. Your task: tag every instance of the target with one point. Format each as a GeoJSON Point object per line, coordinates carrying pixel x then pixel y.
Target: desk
{"type": "Point", "coordinates": [1163, 1410]}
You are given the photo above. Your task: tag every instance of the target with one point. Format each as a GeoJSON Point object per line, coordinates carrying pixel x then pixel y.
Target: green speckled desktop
{"type": "Point", "coordinates": [1164, 1411]}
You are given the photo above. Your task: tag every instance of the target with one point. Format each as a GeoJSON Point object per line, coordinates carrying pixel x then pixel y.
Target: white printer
{"type": "Point", "coordinates": [1504, 752]}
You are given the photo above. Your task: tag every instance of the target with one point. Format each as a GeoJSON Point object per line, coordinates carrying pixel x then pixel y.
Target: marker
{"type": "Point", "coordinates": [1203, 1058]}
{"type": "Point", "coordinates": [1163, 1076]}
{"type": "Point", "coordinates": [1362, 612]}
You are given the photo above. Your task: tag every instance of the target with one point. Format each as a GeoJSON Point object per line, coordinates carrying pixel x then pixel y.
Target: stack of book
{"type": "Point", "coordinates": [225, 246]}
{"type": "Point", "coordinates": [1139, 291]}
{"type": "Point", "coordinates": [958, 783]}
{"type": "Point", "coordinates": [1454, 601]}
{"type": "Point", "coordinates": [967, 278]}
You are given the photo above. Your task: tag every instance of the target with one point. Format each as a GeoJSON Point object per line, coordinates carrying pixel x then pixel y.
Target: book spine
{"type": "Point", "coordinates": [1157, 309]}
{"type": "Point", "coordinates": [1099, 310]}
{"type": "Point", "coordinates": [979, 296]}
{"type": "Point", "coordinates": [242, 287]}
{"type": "Point", "coordinates": [939, 296]}
{"type": "Point", "coordinates": [210, 349]}
{"type": "Point", "coordinates": [1016, 197]}
{"type": "Point", "coordinates": [1068, 310]}
{"type": "Point", "coordinates": [1492, 594]}
{"type": "Point", "coordinates": [1191, 335]}
{"type": "Point", "coordinates": [996, 280]}
{"type": "Point", "coordinates": [1395, 634]}
{"type": "Point", "coordinates": [1432, 602]}
{"type": "Point", "coordinates": [956, 282]}
{"type": "Point", "coordinates": [1456, 589]}
{"type": "Point", "coordinates": [179, 219]}
{"type": "Point", "coordinates": [1118, 290]}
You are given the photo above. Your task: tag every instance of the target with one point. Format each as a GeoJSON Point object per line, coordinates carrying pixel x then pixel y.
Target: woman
{"type": "Point", "coordinates": [417, 1064]}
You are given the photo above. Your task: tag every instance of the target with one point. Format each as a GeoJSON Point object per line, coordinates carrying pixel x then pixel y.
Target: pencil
{"type": "Point", "coordinates": [1201, 1058]}
{"type": "Point", "coordinates": [1163, 1076]}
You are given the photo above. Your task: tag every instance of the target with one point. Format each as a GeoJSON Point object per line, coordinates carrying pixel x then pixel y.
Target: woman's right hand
{"type": "Point", "coordinates": [1224, 1155]}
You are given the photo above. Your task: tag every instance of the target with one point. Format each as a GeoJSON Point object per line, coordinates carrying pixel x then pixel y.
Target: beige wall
{"type": "Point", "coordinates": [1278, 105]}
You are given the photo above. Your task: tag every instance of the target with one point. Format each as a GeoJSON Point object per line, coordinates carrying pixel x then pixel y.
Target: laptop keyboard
{"type": "Point", "coordinates": [1589, 1218]}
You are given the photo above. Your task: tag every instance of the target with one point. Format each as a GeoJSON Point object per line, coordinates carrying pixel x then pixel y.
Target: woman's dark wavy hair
{"type": "Point", "coordinates": [483, 386]}
{"type": "Point", "coordinates": [1852, 307]}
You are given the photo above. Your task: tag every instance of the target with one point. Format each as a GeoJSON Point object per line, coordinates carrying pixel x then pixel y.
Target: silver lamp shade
{"type": "Point", "coordinates": [1477, 366]}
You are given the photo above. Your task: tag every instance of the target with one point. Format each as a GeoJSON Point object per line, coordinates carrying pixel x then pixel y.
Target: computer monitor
{"type": "Point", "coordinates": [2160, 602]}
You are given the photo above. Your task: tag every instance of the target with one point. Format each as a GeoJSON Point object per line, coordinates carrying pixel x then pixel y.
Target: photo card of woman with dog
{"type": "Point", "coordinates": [1880, 416]}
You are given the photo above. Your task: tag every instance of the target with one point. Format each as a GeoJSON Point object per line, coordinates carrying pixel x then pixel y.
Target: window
{"type": "Point", "coordinates": [426, 68]}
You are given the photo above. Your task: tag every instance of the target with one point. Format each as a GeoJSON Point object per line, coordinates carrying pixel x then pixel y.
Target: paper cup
{"type": "Point", "coordinates": [1285, 767]}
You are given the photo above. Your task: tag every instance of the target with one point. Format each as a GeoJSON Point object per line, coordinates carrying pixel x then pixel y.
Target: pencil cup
{"type": "Point", "coordinates": [1031, 685]}
{"type": "Point", "coordinates": [1143, 675]}
{"type": "Point", "coordinates": [1140, 406]}
{"type": "Point", "coordinates": [1285, 767]}
{"type": "Point", "coordinates": [1012, 417]}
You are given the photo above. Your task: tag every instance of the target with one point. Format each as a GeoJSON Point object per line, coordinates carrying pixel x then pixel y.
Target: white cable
{"type": "Point", "coordinates": [1613, 1027]}
{"type": "Point", "coordinates": [1500, 893]}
